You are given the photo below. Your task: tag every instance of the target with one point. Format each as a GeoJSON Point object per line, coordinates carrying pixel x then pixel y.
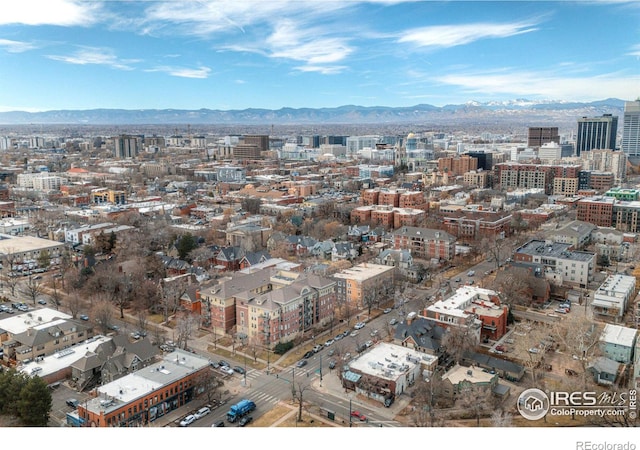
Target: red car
{"type": "Point", "coordinates": [359, 415]}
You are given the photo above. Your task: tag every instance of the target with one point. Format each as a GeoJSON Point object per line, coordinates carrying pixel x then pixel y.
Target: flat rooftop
{"type": "Point", "coordinates": [173, 367]}
{"type": "Point", "coordinates": [389, 361]}
{"type": "Point", "coordinates": [556, 250]}
{"type": "Point", "coordinates": [619, 335]}
{"type": "Point", "coordinates": [21, 244]}
{"type": "Point", "coordinates": [20, 323]}
{"type": "Point", "coordinates": [363, 272]}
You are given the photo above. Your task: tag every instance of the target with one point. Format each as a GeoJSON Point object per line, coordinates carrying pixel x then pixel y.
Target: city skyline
{"type": "Point", "coordinates": [66, 54]}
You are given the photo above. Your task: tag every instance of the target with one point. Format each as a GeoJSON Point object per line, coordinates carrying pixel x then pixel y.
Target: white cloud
{"type": "Point", "coordinates": [325, 70]}
{"type": "Point", "coordinates": [49, 12]}
{"type": "Point", "coordinates": [15, 46]}
{"type": "Point", "coordinates": [443, 36]}
{"type": "Point", "coordinates": [634, 51]}
{"type": "Point", "coordinates": [97, 56]}
{"type": "Point", "coordinates": [200, 72]}
{"type": "Point", "coordinates": [291, 42]}
{"type": "Point", "coordinates": [543, 85]}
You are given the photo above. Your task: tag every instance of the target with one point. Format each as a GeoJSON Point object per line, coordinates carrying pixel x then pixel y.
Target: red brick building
{"type": "Point", "coordinates": [596, 210]}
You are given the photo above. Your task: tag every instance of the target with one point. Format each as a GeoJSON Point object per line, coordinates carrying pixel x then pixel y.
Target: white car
{"type": "Point", "coordinates": [187, 420]}
{"type": "Point", "coordinates": [202, 412]}
{"type": "Point", "coordinates": [359, 325]}
{"type": "Point", "coordinates": [227, 370]}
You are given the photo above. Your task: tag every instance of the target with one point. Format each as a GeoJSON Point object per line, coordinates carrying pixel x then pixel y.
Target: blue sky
{"type": "Point", "coordinates": [237, 54]}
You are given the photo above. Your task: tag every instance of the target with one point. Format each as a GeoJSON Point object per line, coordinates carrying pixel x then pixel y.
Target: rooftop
{"type": "Point", "coordinates": [389, 361]}
{"type": "Point", "coordinates": [550, 249]}
{"type": "Point", "coordinates": [619, 335]}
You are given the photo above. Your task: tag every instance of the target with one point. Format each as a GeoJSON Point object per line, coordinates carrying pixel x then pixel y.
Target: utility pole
{"type": "Point", "coordinates": [349, 413]}
{"type": "Point", "coordinates": [320, 370]}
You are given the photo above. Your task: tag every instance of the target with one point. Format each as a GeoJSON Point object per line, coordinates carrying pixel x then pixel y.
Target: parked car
{"type": "Point", "coordinates": [331, 352]}
{"type": "Point", "coordinates": [354, 333]}
{"type": "Point", "coordinates": [358, 415]}
{"type": "Point", "coordinates": [368, 344]}
{"type": "Point", "coordinates": [374, 333]}
{"type": "Point", "coordinates": [317, 348]}
{"type": "Point", "coordinates": [308, 355]}
{"type": "Point", "coordinates": [338, 337]}
{"type": "Point", "coordinates": [246, 420]}
{"type": "Point", "coordinates": [332, 364]}
{"type": "Point", "coordinates": [84, 317]}
{"type": "Point", "coordinates": [393, 321]}
{"type": "Point", "coordinates": [238, 369]}
{"type": "Point", "coordinates": [359, 325]}
{"type": "Point", "coordinates": [301, 363]}
{"type": "Point", "coordinates": [72, 402]}
{"type": "Point", "coordinates": [222, 362]}
{"type": "Point", "coordinates": [226, 370]}
{"type": "Point", "coordinates": [218, 423]}
{"type": "Point", "coordinates": [187, 420]}
{"type": "Point", "coordinates": [458, 280]}
{"type": "Point", "coordinates": [346, 333]}
{"type": "Point", "coordinates": [329, 343]}
{"type": "Point", "coordinates": [534, 350]}
{"type": "Point", "coordinates": [42, 302]}
{"type": "Point", "coordinates": [202, 412]}
{"type": "Point", "coordinates": [387, 310]}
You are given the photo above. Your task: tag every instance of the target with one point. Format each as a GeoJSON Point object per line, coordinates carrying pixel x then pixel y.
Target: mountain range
{"type": "Point", "coordinates": [519, 110]}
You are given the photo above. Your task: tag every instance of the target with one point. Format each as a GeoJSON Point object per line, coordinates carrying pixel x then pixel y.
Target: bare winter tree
{"type": "Point", "coordinates": [477, 400]}
{"type": "Point", "coordinates": [501, 418]}
{"type": "Point", "coordinates": [208, 384]}
{"type": "Point", "coordinates": [186, 325]}
{"type": "Point", "coordinates": [74, 303]}
{"type": "Point", "coordinates": [103, 314]}
{"type": "Point", "coordinates": [458, 340]}
{"type": "Point", "coordinates": [9, 262]}
{"type": "Point", "coordinates": [31, 288]}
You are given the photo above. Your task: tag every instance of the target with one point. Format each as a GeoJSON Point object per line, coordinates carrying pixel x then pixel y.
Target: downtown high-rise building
{"type": "Point", "coordinates": [596, 133]}
{"type": "Point", "coordinates": [126, 146]}
{"type": "Point", "coordinates": [630, 143]}
{"type": "Point", "coordinates": [538, 136]}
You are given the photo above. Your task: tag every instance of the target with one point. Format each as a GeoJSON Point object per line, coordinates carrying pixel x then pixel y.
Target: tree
{"type": "Point", "coordinates": [251, 204]}
{"type": "Point", "coordinates": [32, 288]}
{"type": "Point", "coordinates": [186, 324]}
{"type": "Point", "coordinates": [103, 314]}
{"type": "Point", "coordinates": [476, 400]}
{"type": "Point", "coordinates": [9, 261]}
{"type": "Point", "coordinates": [11, 384]}
{"type": "Point", "coordinates": [34, 404]}
{"type": "Point", "coordinates": [184, 245]}
{"type": "Point", "coordinates": [458, 340]}
{"type": "Point", "coordinates": [44, 259]}
{"type": "Point", "coordinates": [208, 384]}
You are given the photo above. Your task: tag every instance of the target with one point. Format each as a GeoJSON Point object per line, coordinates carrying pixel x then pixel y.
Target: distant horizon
{"type": "Point", "coordinates": [272, 55]}
{"type": "Point", "coordinates": [524, 102]}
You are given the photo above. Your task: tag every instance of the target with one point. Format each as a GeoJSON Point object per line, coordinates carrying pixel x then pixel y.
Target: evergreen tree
{"type": "Point", "coordinates": [34, 404]}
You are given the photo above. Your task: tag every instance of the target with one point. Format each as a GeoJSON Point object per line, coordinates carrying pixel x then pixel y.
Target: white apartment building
{"type": "Point", "coordinates": [39, 179]}
{"type": "Point", "coordinates": [611, 299]}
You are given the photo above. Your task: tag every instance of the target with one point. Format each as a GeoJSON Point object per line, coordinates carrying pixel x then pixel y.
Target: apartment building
{"type": "Point", "coordinates": [532, 176]}
{"type": "Point", "coordinates": [269, 305]}
{"type": "Point", "coordinates": [597, 210]}
{"type": "Point", "coordinates": [424, 242]}
{"type": "Point", "coordinates": [575, 233]}
{"type": "Point", "coordinates": [40, 333]}
{"type": "Point", "coordinates": [457, 165]}
{"type": "Point", "coordinates": [353, 283]}
{"type": "Point", "coordinates": [618, 343]}
{"type": "Point", "coordinates": [561, 263]}
{"type": "Point", "coordinates": [476, 178]}
{"type": "Point", "coordinates": [471, 225]}
{"type": "Point", "coordinates": [626, 215]}
{"type": "Point", "coordinates": [611, 299]}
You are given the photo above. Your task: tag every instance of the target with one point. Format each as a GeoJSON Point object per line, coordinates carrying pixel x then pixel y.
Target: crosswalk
{"type": "Point", "coordinates": [261, 398]}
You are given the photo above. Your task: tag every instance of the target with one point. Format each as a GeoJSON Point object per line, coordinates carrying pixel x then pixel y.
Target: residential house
{"type": "Point", "coordinates": [605, 371]}
{"type": "Point", "coordinates": [618, 343]}
{"type": "Point", "coordinates": [345, 251]}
